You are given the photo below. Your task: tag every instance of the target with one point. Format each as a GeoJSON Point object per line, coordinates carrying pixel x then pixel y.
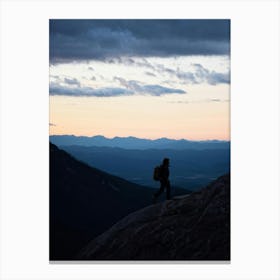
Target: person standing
{"type": "Point", "coordinates": [164, 180]}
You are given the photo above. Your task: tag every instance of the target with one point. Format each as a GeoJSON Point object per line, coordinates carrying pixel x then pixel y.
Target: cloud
{"type": "Point", "coordinates": [211, 77]}
{"type": "Point", "coordinates": [198, 73]}
{"type": "Point", "coordinates": [129, 88]}
{"type": "Point", "coordinates": [54, 77]}
{"type": "Point", "coordinates": [198, 101]}
{"type": "Point", "coordinates": [57, 89]}
{"type": "Point", "coordinates": [72, 81]}
{"type": "Point", "coordinates": [75, 40]}
{"type": "Point", "coordinates": [187, 77]}
{"type": "Point", "coordinates": [140, 88]}
{"type": "Point", "coordinates": [159, 90]}
{"type": "Point", "coordinates": [150, 74]}
{"type": "Point", "coordinates": [128, 61]}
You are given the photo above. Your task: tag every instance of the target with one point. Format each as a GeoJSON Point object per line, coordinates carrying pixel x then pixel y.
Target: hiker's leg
{"type": "Point", "coordinates": [168, 190]}
{"type": "Point", "coordinates": [161, 189]}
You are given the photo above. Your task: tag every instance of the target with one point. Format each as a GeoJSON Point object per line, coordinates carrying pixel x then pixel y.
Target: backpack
{"type": "Point", "coordinates": [156, 173]}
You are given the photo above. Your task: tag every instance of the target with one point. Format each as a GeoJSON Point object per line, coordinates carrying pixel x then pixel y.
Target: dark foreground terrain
{"type": "Point", "coordinates": [85, 202]}
{"type": "Point", "coordinates": [189, 227]}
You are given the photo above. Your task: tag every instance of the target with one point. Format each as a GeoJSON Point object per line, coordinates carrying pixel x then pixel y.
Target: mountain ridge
{"type": "Point", "coordinates": [132, 142]}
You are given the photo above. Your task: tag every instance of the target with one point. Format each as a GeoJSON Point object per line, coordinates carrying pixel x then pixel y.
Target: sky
{"type": "Point", "coordinates": [143, 78]}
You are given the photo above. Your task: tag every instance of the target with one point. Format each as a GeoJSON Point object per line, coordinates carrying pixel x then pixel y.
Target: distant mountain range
{"type": "Point", "coordinates": [137, 143]}
{"type": "Point", "coordinates": [189, 168]}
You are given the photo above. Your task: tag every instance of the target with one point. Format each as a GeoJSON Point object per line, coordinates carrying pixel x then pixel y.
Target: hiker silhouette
{"type": "Point", "coordinates": [164, 180]}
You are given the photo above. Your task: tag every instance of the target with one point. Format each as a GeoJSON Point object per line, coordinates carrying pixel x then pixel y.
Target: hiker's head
{"type": "Point", "coordinates": [165, 162]}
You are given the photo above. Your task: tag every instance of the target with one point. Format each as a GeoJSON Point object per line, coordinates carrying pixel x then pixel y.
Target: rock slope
{"type": "Point", "coordinates": [191, 227]}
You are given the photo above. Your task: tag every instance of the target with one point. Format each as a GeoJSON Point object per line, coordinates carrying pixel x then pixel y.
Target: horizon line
{"type": "Point", "coordinates": [143, 138]}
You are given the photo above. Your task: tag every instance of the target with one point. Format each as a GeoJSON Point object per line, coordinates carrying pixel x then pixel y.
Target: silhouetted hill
{"type": "Point", "coordinates": [189, 169]}
{"type": "Point", "coordinates": [193, 227]}
{"type": "Point", "coordinates": [137, 143]}
{"type": "Point", "coordinates": [85, 201]}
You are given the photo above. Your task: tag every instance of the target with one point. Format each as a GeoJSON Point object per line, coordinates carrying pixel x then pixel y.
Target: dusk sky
{"type": "Point", "coordinates": [142, 78]}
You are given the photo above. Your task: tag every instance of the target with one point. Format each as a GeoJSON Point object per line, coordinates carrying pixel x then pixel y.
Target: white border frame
{"type": "Point", "coordinates": [254, 134]}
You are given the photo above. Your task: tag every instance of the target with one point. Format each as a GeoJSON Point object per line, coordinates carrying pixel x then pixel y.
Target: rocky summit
{"type": "Point", "coordinates": [190, 227]}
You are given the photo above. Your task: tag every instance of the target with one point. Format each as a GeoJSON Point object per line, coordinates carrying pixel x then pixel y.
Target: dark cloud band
{"type": "Point", "coordinates": [57, 89]}
{"type": "Point", "coordinates": [75, 40]}
{"type": "Point", "coordinates": [130, 88]}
